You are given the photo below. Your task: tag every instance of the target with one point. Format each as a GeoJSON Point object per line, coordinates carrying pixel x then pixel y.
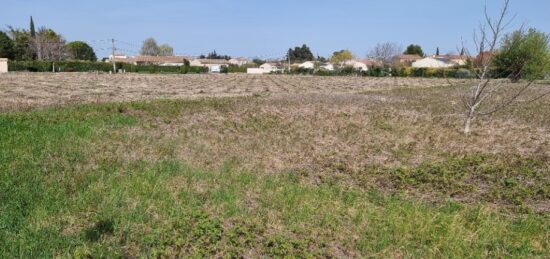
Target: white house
{"type": "Point", "coordinates": [240, 61]}
{"type": "Point", "coordinates": [269, 67]}
{"type": "Point", "coordinates": [3, 65]}
{"type": "Point", "coordinates": [460, 60]}
{"type": "Point", "coordinates": [357, 65]}
{"type": "Point", "coordinates": [264, 69]}
{"type": "Point", "coordinates": [213, 65]}
{"type": "Point", "coordinates": [328, 66]}
{"type": "Point", "coordinates": [431, 62]}
{"type": "Point", "coordinates": [307, 65]}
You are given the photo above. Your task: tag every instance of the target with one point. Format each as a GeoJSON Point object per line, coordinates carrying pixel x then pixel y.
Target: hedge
{"type": "Point", "coordinates": [88, 66]}
{"type": "Point", "coordinates": [65, 66]}
{"type": "Point", "coordinates": [234, 69]}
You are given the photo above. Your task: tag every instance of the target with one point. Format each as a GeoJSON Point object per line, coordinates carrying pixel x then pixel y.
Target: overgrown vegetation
{"type": "Point", "coordinates": [311, 176]}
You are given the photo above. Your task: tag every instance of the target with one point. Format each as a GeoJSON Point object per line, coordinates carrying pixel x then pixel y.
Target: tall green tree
{"type": "Point", "coordinates": [524, 54]}
{"type": "Point", "coordinates": [7, 49]}
{"type": "Point", "coordinates": [437, 51]}
{"type": "Point", "coordinates": [300, 54]}
{"type": "Point", "coordinates": [79, 50]}
{"type": "Point", "coordinates": [414, 49]}
{"type": "Point", "coordinates": [32, 30]}
{"type": "Point", "coordinates": [22, 43]}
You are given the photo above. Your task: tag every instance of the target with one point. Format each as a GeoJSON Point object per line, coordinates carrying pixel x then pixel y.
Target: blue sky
{"type": "Point", "coordinates": [256, 28]}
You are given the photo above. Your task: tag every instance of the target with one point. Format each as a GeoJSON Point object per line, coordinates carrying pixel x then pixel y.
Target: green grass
{"type": "Point", "coordinates": [63, 195]}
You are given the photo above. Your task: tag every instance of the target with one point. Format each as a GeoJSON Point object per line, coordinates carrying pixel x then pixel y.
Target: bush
{"type": "Point", "coordinates": [234, 69]}
{"type": "Point", "coordinates": [302, 71]}
{"type": "Point", "coordinates": [381, 71]}
{"type": "Point", "coordinates": [418, 72]}
{"type": "Point", "coordinates": [464, 73]}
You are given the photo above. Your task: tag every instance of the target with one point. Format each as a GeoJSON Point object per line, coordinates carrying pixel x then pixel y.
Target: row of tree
{"type": "Point", "coordinates": [41, 44]}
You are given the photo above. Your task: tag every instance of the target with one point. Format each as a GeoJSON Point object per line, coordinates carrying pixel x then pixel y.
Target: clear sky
{"type": "Point", "coordinates": [266, 29]}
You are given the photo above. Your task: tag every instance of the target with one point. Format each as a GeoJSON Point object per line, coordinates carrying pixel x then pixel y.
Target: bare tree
{"type": "Point", "coordinates": [489, 95]}
{"type": "Point", "coordinates": [385, 51]}
{"type": "Point", "coordinates": [150, 48]}
{"type": "Point", "coordinates": [48, 45]}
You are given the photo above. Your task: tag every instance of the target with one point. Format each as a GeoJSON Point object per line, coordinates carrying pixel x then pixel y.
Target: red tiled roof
{"type": "Point", "coordinates": [408, 57]}
{"type": "Point", "coordinates": [214, 61]}
{"type": "Point", "coordinates": [371, 62]}
{"type": "Point", "coordinates": [160, 59]}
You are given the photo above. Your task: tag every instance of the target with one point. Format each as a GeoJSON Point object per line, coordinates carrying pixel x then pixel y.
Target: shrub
{"type": "Point", "coordinates": [464, 73]}
{"type": "Point", "coordinates": [302, 71]}
{"type": "Point", "coordinates": [234, 69]}
{"type": "Point", "coordinates": [381, 71]}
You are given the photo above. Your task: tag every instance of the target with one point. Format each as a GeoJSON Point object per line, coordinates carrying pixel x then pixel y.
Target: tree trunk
{"type": "Point", "coordinates": [467, 125]}
{"type": "Point", "coordinates": [468, 121]}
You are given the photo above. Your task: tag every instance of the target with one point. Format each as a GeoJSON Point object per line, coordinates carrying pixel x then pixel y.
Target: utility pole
{"type": "Point", "coordinates": [114, 63]}
{"type": "Point", "coordinates": [288, 55]}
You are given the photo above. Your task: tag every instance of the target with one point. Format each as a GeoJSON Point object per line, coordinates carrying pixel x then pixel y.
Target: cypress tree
{"type": "Point", "coordinates": [33, 32]}
{"type": "Point", "coordinates": [437, 52]}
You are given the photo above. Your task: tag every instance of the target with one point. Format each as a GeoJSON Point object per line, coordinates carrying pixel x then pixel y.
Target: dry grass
{"type": "Point", "coordinates": [327, 128]}
{"type": "Point", "coordinates": [303, 166]}
{"type": "Point", "coordinates": [28, 90]}
{"type": "Point", "coordinates": [336, 137]}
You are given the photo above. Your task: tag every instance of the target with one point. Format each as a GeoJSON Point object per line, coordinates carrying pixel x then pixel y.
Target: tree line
{"type": "Point", "coordinates": [41, 44]}
{"type": "Point", "coordinates": [524, 53]}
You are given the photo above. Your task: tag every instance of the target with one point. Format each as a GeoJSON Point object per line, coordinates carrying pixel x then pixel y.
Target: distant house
{"type": "Point", "coordinates": [357, 65]}
{"type": "Point", "coordinates": [458, 59]}
{"type": "Point", "coordinates": [118, 56]}
{"type": "Point", "coordinates": [307, 65]}
{"type": "Point", "coordinates": [265, 68]}
{"type": "Point", "coordinates": [434, 62]}
{"type": "Point", "coordinates": [240, 61]}
{"type": "Point", "coordinates": [3, 65]}
{"type": "Point", "coordinates": [328, 67]}
{"type": "Point", "coordinates": [405, 60]}
{"type": "Point", "coordinates": [213, 65]}
{"type": "Point", "coordinates": [372, 63]}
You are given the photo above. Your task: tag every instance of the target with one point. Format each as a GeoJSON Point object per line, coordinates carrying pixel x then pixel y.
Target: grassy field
{"type": "Point", "coordinates": [375, 168]}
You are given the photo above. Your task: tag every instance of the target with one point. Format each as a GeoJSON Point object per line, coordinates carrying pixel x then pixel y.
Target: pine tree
{"type": "Point", "coordinates": [33, 32]}
{"type": "Point", "coordinates": [437, 52]}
